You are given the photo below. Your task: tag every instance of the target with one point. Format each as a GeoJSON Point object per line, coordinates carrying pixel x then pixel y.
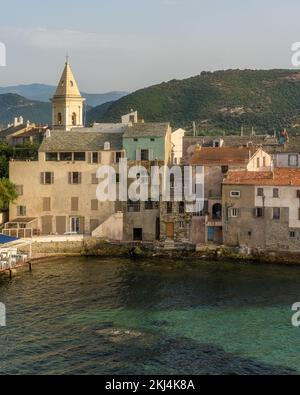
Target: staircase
{"type": "Point", "coordinates": [111, 229]}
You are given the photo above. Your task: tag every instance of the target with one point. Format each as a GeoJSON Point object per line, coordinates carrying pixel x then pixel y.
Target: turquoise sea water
{"type": "Point", "coordinates": [95, 316]}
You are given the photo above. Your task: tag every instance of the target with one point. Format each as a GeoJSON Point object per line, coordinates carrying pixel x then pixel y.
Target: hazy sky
{"type": "Point", "coordinates": [129, 44]}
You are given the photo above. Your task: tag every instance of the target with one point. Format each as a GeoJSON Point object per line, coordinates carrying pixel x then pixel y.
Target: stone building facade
{"type": "Point", "coordinates": [207, 225]}
{"type": "Point", "coordinates": [262, 209]}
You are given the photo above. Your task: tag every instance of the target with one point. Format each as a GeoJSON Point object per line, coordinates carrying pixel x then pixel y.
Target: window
{"type": "Point", "coordinates": [293, 160]}
{"type": "Point", "coordinates": [235, 212]}
{"type": "Point", "coordinates": [275, 193]}
{"type": "Point", "coordinates": [276, 213]}
{"type": "Point", "coordinates": [144, 154]}
{"type": "Point", "coordinates": [152, 140]}
{"type": "Point", "coordinates": [75, 178]}
{"type": "Point", "coordinates": [235, 194]}
{"type": "Point", "coordinates": [133, 207]}
{"type": "Point", "coordinates": [107, 146]}
{"type": "Point", "coordinates": [169, 207]}
{"type": "Point", "coordinates": [74, 203]}
{"type": "Point", "coordinates": [95, 157]}
{"type": "Point", "coordinates": [94, 205]}
{"type": "Point", "coordinates": [224, 169]}
{"type": "Point", "coordinates": [47, 204]}
{"type": "Point", "coordinates": [135, 140]}
{"type": "Point", "coordinates": [79, 156]}
{"type": "Point", "coordinates": [181, 208]}
{"type": "Point", "coordinates": [59, 118]}
{"type": "Point", "coordinates": [51, 156]}
{"type": "Point", "coordinates": [181, 225]}
{"type": "Point", "coordinates": [47, 178]}
{"type": "Point", "coordinates": [259, 212]}
{"type": "Point", "coordinates": [172, 181]}
{"type": "Point", "coordinates": [260, 192]}
{"type": "Point", "coordinates": [149, 205]}
{"type": "Point", "coordinates": [258, 162]}
{"type": "Point", "coordinates": [19, 190]}
{"type": "Point", "coordinates": [21, 211]}
{"type": "Point", "coordinates": [292, 234]}
{"type": "Point", "coordinates": [298, 194]}
{"type": "Point", "coordinates": [65, 157]}
{"type": "Point", "coordinates": [117, 178]}
{"type": "Point", "coordinates": [74, 119]}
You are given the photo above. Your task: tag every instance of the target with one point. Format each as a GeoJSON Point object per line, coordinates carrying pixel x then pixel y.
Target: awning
{"type": "Point", "coordinates": [7, 239]}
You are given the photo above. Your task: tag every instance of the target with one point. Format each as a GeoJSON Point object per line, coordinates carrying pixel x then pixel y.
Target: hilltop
{"type": "Point", "coordinates": [221, 100]}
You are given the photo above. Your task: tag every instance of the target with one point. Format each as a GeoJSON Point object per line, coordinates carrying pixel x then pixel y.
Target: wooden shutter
{"type": "Point", "coordinates": [82, 227]}
{"type": "Point", "coordinates": [94, 204]}
{"type": "Point", "coordinates": [42, 178]}
{"type": "Point", "coordinates": [74, 203]}
{"type": "Point", "coordinates": [151, 154]}
{"type": "Point", "coordinates": [90, 157]}
{"type": "Point", "coordinates": [79, 178]}
{"type": "Point", "coordinates": [47, 204]}
{"type": "Point", "coordinates": [70, 178]}
{"type": "Point", "coordinates": [52, 178]}
{"type": "Point", "coordinates": [99, 157]}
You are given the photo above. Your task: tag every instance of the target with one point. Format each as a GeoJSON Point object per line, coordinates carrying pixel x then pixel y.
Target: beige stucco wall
{"type": "Point", "coordinates": [61, 192]}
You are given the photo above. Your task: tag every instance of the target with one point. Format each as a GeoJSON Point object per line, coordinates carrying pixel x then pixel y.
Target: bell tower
{"type": "Point", "coordinates": [67, 102]}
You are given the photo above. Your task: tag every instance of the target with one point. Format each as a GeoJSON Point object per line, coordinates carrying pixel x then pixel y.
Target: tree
{"type": "Point", "coordinates": [8, 193]}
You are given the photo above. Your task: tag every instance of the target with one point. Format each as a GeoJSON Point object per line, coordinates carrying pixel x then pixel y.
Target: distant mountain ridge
{"type": "Point", "coordinates": [12, 105]}
{"type": "Point", "coordinates": [42, 93]}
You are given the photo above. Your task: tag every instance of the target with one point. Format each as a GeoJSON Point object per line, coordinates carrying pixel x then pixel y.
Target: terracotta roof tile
{"type": "Point", "coordinates": [222, 156]}
{"type": "Point", "coordinates": [278, 177]}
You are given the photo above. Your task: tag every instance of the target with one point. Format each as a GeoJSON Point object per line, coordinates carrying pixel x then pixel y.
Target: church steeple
{"type": "Point", "coordinates": [67, 102]}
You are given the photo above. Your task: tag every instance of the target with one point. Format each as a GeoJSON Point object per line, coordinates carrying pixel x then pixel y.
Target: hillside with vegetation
{"type": "Point", "coordinates": [221, 101]}
{"type": "Point", "coordinates": [12, 105]}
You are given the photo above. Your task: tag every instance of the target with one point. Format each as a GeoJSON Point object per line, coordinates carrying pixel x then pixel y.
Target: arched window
{"type": "Point", "coordinates": [107, 146]}
{"type": "Point", "coordinates": [59, 118]}
{"type": "Point", "coordinates": [74, 119]}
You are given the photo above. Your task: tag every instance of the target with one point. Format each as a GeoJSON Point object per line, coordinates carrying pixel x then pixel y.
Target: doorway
{"type": "Point", "coordinates": [75, 225]}
{"type": "Point", "coordinates": [170, 230]}
{"type": "Point", "coordinates": [138, 234]}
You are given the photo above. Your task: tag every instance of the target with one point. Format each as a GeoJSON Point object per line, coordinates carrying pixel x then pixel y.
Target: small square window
{"type": "Point", "coordinates": [224, 169]}
{"type": "Point", "coordinates": [292, 234]}
{"type": "Point", "coordinates": [259, 212]}
{"type": "Point", "coordinates": [235, 212]}
{"type": "Point", "coordinates": [260, 192]}
{"type": "Point", "coordinates": [276, 213]}
{"type": "Point", "coordinates": [235, 194]}
{"type": "Point", "coordinates": [79, 156]}
{"type": "Point", "coordinates": [275, 193]}
{"type": "Point", "coordinates": [65, 156]}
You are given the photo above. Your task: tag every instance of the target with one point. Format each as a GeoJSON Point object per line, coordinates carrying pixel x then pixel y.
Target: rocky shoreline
{"type": "Point", "coordinates": [95, 248]}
